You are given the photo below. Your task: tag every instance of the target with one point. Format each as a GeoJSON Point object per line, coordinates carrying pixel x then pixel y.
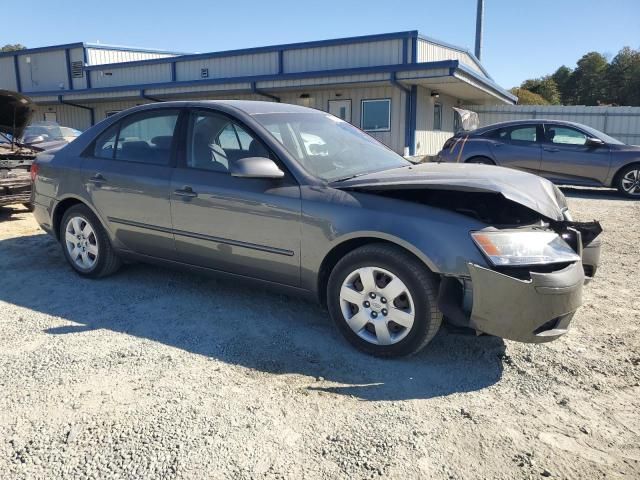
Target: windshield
{"type": "Point", "coordinates": [328, 147]}
{"type": "Point", "coordinates": [602, 136]}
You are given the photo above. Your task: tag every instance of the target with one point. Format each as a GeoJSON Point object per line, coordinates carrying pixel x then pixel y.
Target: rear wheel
{"type": "Point", "coordinates": [85, 243]}
{"type": "Point", "coordinates": [384, 301]}
{"type": "Point", "coordinates": [628, 181]}
{"type": "Point", "coordinates": [481, 160]}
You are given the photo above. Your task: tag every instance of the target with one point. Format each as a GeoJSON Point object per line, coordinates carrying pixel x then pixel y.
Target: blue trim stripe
{"type": "Point", "coordinates": [280, 61]}
{"type": "Point", "coordinates": [414, 119]}
{"type": "Point", "coordinates": [452, 65]}
{"type": "Point", "coordinates": [174, 75]}
{"type": "Point", "coordinates": [405, 50]}
{"type": "Point", "coordinates": [414, 49]}
{"type": "Point", "coordinates": [16, 67]}
{"type": "Point", "coordinates": [67, 59]}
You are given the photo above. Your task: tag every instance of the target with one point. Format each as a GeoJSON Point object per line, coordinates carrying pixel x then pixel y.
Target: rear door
{"type": "Point", "coordinates": [517, 147]}
{"type": "Point", "coordinates": [127, 178]}
{"type": "Point", "coordinates": [567, 158]}
{"type": "Point", "coordinates": [246, 226]}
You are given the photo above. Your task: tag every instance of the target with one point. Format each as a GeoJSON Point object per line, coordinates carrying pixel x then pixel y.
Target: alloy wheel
{"type": "Point", "coordinates": [377, 305]}
{"type": "Point", "coordinates": [81, 242]}
{"type": "Point", "coordinates": [631, 182]}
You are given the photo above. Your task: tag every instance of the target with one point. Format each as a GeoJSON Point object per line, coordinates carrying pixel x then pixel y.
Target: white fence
{"type": "Point", "coordinates": [622, 123]}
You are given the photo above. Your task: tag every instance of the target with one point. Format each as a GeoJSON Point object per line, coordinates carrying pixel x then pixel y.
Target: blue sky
{"type": "Point", "coordinates": [522, 39]}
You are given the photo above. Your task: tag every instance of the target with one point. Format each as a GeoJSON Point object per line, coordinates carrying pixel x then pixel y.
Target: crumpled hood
{"type": "Point", "coordinates": [16, 111]}
{"type": "Point", "coordinates": [526, 189]}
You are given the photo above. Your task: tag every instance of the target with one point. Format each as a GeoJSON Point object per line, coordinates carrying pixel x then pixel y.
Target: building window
{"type": "Point", "coordinates": [204, 73]}
{"type": "Point", "coordinates": [437, 116]}
{"type": "Point", "coordinates": [376, 115]}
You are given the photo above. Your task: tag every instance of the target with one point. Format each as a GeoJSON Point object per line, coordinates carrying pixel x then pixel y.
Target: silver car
{"type": "Point", "coordinates": [564, 152]}
{"type": "Point", "coordinates": [298, 199]}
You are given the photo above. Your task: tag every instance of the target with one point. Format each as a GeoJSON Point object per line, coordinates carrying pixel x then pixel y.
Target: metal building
{"type": "Point", "coordinates": [400, 87]}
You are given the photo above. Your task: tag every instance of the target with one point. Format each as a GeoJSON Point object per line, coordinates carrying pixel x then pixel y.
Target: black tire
{"type": "Point", "coordinates": [106, 260]}
{"type": "Point", "coordinates": [481, 160]}
{"type": "Point", "coordinates": [619, 181]}
{"type": "Point", "coordinates": [420, 282]}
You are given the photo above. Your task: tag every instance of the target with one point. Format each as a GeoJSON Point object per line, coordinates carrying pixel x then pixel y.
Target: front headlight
{"type": "Point", "coordinates": [523, 248]}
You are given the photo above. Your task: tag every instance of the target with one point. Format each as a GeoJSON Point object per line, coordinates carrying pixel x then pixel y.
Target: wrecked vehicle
{"type": "Point", "coordinates": [296, 198]}
{"type": "Point", "coordinates": [15, 158]}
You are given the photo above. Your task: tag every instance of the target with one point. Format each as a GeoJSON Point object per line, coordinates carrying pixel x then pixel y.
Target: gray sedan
{"type": "Point", "coordinates": [297, 199]}
{"type": "Point", "coordinates": [564, 152]}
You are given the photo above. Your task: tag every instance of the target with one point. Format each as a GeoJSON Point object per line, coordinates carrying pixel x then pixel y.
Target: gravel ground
{"type": "Point", "coordinates": [160, 374]}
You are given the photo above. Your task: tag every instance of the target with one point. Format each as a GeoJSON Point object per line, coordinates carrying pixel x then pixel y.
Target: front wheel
{"type": "Point", "coordinates": [383, 300]}
{"type": "Point", "coordinates": [481, 161]}
{"type": "Point", "coordinates": [85, 243]}
{"type": "Point", "coordinates": [628, 183]}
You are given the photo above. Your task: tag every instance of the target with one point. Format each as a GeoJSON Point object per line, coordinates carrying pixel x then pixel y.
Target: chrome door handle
{"type": "Point", "coordinates": [185, 192]}
{"type": "Point", "coordinates": [552, 150]}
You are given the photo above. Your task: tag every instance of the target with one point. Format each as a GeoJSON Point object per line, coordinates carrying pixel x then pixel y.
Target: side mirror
{"type": "Point", "coordinates": [593, 142]}
{"type": "Point", "coordinates": [31, 139]}
{"type": "Point", "coordinates": [255, 167]}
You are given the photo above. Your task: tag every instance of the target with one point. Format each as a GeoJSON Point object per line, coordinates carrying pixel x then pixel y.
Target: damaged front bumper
{"type": "Point", "coordinates": [533, 308]}
{"type": "Point", "coordinates": [536, 310]}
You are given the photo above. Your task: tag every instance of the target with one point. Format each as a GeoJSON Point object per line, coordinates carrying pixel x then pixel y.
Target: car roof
{"type": "Point", "coordinates": [532, 121]}
{"type": "Point", "coordinates": [251, 107]}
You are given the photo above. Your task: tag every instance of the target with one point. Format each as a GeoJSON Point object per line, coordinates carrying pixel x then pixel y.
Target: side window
{"type": "Point", "coordinates": [214, 142]}
{"type": "Point", "coordinates": [105, 145]}
{"type": "Point", "coordinates": [147, 137]}
{"type": "Point", "coordinates": [524, 134]}
{"type": "Point", "coordinates": [565, 135]}
{"type": "Point", "coordinates": [437, 116]}
{"type": "Point", "coordinates": [376, 115]}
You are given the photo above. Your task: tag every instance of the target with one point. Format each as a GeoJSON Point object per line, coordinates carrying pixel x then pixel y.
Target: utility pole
{"type": "Point", "coordinates": [479, 21]}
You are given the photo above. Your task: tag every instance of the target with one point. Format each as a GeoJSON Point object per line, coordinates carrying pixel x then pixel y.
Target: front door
{"type": "Point", "coordinates": [246, 226]}
{"type": "Point", "coordinates": [127, 179]}
{"type": "Point", "coordinates": [566, 157]}
{"type": "Point", "coordinates": [518, 147]}
{"type": "Point", "coordinates": [341, 109]}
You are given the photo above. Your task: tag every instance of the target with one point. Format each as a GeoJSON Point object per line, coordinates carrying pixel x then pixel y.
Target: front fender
{"type": "Point", "coordinates": [439, 238]}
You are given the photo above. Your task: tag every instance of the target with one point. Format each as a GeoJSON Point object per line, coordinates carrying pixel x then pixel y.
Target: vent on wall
{"type": "Point", "coordinates": [76, 70]}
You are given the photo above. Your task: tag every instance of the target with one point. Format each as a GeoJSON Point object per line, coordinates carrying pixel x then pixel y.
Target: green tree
{"type": "Point", "coordinates": [623, 77]}
{"type": "Point", "coordinates": [565, 84]}
{"type": "Point", "coordinates": [545, 87]}
{"type": "Point", "coordinates": [525, 97]}
{"type": "Point", "coordinates": [590, 79]}
{"type": "Point", "coordinates": [12, 47]}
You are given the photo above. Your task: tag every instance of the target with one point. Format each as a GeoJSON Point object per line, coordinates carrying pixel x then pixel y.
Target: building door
{"type": "Point", "coordinates": [51, 117]}
{"type": "Point", "coordinates": [341, 109]}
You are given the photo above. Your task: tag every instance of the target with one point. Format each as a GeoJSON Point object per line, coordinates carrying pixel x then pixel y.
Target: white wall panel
{"type": "Point", "coordinates": [428, 140]}
{"type": "Point", "coordinates": [225, 67]}
{"type": "Point", "coordinates": [7, 74]}
{"type": "Point", "coordinates": [99, 56]}
{"type": "Point", "coordinates": [386, 52]}
{"type": "Point", "coordinates": [43, 71]}
{"type": "Point", "coordinates": [154, 73]}
{"type": "Point", "coordinates": [432, 52]}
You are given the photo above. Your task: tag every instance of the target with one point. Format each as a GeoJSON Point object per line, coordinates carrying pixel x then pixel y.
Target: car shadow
{"type": "Point", "coordinates": [8, 212]}
{"type": "Point", "coordinates": [238, 324]}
